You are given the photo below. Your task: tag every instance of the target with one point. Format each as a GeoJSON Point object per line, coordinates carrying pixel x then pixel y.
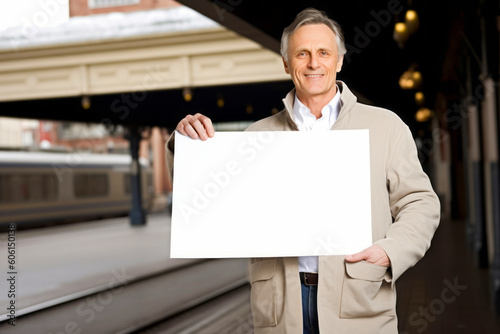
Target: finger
{"type": "Point", "coordinates": [180, 129]}
{"type": "Point", "coordinates": [200, 129]}
{"type": "Point", "coordinates": [206, 129]}
{"type": "Point", "coordinates": [207, 124]}
{"type": "Point", "coordinates": [186, 129]}
{"type": "Point", "coordinates": [191, 131]}
{"type": "Point", "coordinates": [197, 127]}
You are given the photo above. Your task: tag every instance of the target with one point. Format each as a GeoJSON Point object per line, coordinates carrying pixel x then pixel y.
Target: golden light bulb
{"type": "Point", "coordinates": [412, 21]}
{"type": "Point", "coordinates": [406, 80]}
{"type": "Point", "coordinates": [423, 115]}
{"type": "Point", "coordinates": [85, 102]}
{"type": "Point", "coordinates": [220, 102]}
{"type": "Point", "coordinates": [401, 33]}
{"type": "Point", "coordinates": [187, 93]}
{"type": "Point", "coordinates": [249, 109]}
{"type": "Point", "coordinates": [417, 79]}
{"type": "Point", "coordinates": [419, 98]}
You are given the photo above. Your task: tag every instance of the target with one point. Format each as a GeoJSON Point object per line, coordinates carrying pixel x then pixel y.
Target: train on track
{"type": "Point", "coordinates": [44, 188]}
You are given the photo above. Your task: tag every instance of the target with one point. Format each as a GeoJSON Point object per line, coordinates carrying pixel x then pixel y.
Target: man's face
{"type": "Point", "coordinates": [313, 61]}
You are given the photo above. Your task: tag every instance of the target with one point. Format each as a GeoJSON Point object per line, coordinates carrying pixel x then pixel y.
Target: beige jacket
{"type": "Point", "coordinates": [354, 298]}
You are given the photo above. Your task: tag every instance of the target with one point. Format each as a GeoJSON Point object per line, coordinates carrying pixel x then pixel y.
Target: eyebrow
{"type": "Point", "coordinates": [309, 51]}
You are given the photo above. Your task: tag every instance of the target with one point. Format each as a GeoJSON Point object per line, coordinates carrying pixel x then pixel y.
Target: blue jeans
{"type": "Point", "coordinates": [309, 309]}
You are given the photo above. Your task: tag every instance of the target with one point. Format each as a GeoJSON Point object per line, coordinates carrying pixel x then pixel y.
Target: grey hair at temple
{"type": "Point", "coordinates": [312, 16]}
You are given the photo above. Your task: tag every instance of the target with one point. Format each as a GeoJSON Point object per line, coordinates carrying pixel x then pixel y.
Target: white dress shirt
{"type": "Point", "coordinates": [306, 121]}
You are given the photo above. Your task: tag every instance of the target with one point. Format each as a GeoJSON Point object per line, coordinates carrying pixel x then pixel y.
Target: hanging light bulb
{"type": "Point", "coordinates": [220, 101]}
{"type": "Point", "coordinates": [400, 34]}
{"type": "Point", "coordinates": [410, 79]}
{"type": "Point", "coordinates": [249, 109]}
{"type": "Point", "coordinates": [417, 79]}
{"type": "Point", "coordinates": [406, 81]}
{"type": "Point", "coordinates": [187, 94]}
{"type": "Point", "coordinates": [423, 114]}
{"type": "Point", "coordinates": [412, 21]}
{"type": "Point", "coordinates": [85, 102]}
{"type": "Point", "coordinates": [420, 98]}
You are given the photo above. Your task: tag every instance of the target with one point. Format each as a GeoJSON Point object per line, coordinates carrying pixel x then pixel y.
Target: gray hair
{"type": "Point", "coordinates": [312, 16]}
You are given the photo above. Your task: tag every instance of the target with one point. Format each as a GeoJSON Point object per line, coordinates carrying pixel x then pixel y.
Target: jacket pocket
{"type": "Point", "coordinates": [366, 291]}
{"type": "Point", "coordinates": [263, 295]}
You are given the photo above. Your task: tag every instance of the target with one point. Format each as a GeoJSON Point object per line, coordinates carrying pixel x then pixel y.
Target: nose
{"type": "Point", "coordinates": [313, 61]}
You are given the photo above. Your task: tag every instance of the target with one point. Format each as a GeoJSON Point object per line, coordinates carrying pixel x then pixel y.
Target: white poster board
{"type": "Point", "coordinates": [266, 194]}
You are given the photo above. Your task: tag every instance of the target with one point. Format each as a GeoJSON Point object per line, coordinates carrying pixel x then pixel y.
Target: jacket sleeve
{"type": "Point", "coordinates": [415, 207]}
{"type": "Point", "coordinates": [169, 153]}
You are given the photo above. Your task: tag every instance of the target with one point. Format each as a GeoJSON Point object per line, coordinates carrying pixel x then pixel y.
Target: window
{"type": "Point", "coordinates": [126, 183]}
{"type": "Point", "coordinates": [90, 185]}
{"type": "Point", "coordinates": [15, 188]}
{"type": "Point", "coordinates": [111, 3]}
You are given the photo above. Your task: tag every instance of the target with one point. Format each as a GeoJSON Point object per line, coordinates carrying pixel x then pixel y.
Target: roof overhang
{"type": "Point", "coordinates": [140, 78]}
{"type": "Point", "coordinates": [189, 59]}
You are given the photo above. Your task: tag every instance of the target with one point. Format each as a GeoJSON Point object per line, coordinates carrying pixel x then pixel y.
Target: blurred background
{"type": "Point", "coordinates": [90, 91]}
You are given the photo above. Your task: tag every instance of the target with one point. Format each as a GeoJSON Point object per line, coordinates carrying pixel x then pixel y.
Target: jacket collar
{"type": "Point", "coordinates": [347, 98]}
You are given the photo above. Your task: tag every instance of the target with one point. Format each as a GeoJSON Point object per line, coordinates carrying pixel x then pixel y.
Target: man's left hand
{"type": "Point", "coordinates": [373, 254]}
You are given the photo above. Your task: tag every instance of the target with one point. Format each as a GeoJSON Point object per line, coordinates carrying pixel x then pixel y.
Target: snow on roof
{"type": "Point", "coordinates": [105, 27]}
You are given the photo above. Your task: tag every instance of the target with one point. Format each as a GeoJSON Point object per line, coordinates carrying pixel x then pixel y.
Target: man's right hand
{"type": "Point", "coordinates": [196, 127]}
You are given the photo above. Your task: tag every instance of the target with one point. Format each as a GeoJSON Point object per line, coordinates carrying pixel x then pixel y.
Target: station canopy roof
{"type": "Point", "coordinates": [106, 27]}
{"type": "Point", "coordinates": [136, 68]}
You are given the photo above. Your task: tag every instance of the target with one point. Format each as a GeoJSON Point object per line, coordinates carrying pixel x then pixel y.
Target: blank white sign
{"type": "Point", "coordinates": [266, 194]}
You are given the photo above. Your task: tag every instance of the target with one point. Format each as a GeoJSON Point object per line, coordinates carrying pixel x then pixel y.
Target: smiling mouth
{"type": "Point", "coordinates": [313, 75]}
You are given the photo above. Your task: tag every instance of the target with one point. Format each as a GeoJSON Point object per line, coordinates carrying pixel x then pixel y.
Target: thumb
{"type": "Point", "coordinates": [356, 257]}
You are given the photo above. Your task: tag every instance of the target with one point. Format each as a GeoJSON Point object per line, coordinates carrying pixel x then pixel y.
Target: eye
{"type": "Point", "coordinates": [302, 54]}
{"type": "Point", "coordinates": [324, 53]}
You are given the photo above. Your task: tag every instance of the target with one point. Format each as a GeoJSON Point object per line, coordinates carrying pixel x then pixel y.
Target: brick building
{"type": "Point", "coordinates": [91, 7]}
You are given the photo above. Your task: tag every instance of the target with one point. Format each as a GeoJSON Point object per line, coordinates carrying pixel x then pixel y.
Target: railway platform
{"type": "Point", "coordinates": [109, 277]}
{"type": "Point", "coordinates": [59, 263]}
{"type": "Point", "coordinates": [446, 292]}
{"type": "Point", "coordinates": [105, 276]}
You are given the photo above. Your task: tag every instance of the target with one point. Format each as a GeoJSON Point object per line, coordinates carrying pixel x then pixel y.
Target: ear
{"type": "Point", "coordinates": [339, 63]}
{"type": "Point", "coordinates": [287, 70]}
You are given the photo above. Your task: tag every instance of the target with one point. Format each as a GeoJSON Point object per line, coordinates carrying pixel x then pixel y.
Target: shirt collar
{"type": "Point", "coordinates": [330, 112]}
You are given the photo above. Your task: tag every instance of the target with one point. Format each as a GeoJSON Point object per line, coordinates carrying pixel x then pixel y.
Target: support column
{"type": "Point", "coordinates": [490, 49]}
{"type": "Point", "coordinates": [476, 226]}
{"type": "Point", "coordinates": [471, 136]}
{"type": "Point", "coordinates": [441, 179]}
{"type": "Point", "coordinates": [137, 214]}
{"type": "Point", "coordinates": [492, 186]}
{"type": "Point", "coordinates": [159, 163]}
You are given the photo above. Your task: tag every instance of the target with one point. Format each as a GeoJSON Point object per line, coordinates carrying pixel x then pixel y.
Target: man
{"type": "Point", "coordinates": [355, 293]}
